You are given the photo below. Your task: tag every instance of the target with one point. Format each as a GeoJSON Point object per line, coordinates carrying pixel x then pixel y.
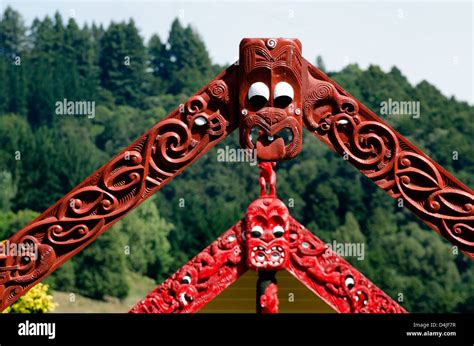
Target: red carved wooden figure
{"type": "Point", "coordinates": [267, 175]}
{"type": "Point", "coordinates": [267, 300]}
{"type": "Point", "coordinates": [267, 234]}
{"type": "Point", "coordinates": [268, 96]}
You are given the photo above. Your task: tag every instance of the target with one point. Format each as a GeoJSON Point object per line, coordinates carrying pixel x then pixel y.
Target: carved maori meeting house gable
{"type": "Point", "coordinates": [272, 92]}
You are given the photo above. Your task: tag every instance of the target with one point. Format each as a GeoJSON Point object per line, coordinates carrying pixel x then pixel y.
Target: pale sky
{"type": "Point", "coordinates": [430, 40]}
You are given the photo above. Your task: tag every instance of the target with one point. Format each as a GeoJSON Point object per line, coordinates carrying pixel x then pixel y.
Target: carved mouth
{"type": "Point", "coordinates": [272, 147]}
{"type": "Point", "coordinates": [263, 258]}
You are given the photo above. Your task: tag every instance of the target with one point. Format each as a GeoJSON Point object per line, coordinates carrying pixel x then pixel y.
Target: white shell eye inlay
{"type": "Point", "coordinates": [278, 231]}
{"type": "Point", "coordinates": [284, 89]}
{"type": "Point", "coordinates": [349, 282]}
{"type": "Point", "coordinates": [200, 121]}
{"type": "Point", "coordinates": [259, 89]}
{"type": "Point", "coordinates": [257, 231]}
{"type": "Point", "coordinates": [186, 279]}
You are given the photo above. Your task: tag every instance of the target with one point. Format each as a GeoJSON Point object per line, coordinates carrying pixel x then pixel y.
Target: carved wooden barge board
{"type": "Point", "coordinates": [389, 160]}
{"type": "Point", "coordinates": [120, 185]}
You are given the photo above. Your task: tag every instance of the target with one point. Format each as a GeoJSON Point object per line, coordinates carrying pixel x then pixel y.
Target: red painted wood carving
{"type": "Point", "coordinates": [120, 185]}
{"type": "Point", "coordinates": [333, 279]}
{"type": "Point", "coordinates": [269, 96]}
{"type": "Point", "coordinates": [267, 234]}
{"type": "Point", "coordinates": [394, 164]}
{"type": "Point", "coordinates": [201, 279]}
{"type": "Point", "coordinates": [268, 239]}
{"type": "Point", "coordinates": [267, 300]}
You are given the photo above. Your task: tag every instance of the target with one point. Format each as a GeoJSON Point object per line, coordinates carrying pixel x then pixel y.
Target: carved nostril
{"type": "Point", "coordinates": [267, 236]}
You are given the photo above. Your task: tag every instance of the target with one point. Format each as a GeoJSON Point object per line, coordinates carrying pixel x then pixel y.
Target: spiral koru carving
{"type": "Point", "coordinates": [333, 279]}
{"type": "Point", "coordinates": [383, 155]}
{"type": "Point", "coordinates": [123, 183]}
{"type": "Point", "coordinates": [201, 279]}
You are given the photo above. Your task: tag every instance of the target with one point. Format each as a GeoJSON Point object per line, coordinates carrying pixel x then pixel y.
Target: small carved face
{"type": "Point", "coordinates": [183, 285]}
{"type": "Point", "coordinates": [270, 97]}
{"type": "Point", "coordinates": [267, 234]}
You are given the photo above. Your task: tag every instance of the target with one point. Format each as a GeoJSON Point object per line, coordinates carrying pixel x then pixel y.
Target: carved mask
{"type": "Point", "coordinates": [267, 234]}
{"type": "Point", "coordinates": [270, 97]}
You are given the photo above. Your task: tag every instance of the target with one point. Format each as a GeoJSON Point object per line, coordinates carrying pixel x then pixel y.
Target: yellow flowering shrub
{"type": "Point", "coordinates": [36, 300]}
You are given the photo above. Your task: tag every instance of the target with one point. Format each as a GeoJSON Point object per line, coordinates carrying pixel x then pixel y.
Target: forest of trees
{"type": "Point", "coordinates": [134, 84]}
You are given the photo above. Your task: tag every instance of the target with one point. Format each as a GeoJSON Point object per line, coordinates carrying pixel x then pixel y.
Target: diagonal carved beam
{"type": "Point", "coordinates": [388, 159]}
{"type": "Point", "coordinates": [120, 185]}
{"type": "Point", "coordinates": [201, 279]}
{"type": "Point", "coordinates": [333, 279]}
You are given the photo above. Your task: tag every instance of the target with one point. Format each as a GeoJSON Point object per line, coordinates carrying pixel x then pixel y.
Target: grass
{"type": "Point", "coordinates": [140, 286]}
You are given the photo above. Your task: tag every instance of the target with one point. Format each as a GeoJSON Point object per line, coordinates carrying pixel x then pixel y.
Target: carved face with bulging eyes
{"type": "Point", "coordinates": [270, 97]}
{"type": "Point", "coordinates": [267, 234]}
{"type": "Point", "coordinates": [183, 286]}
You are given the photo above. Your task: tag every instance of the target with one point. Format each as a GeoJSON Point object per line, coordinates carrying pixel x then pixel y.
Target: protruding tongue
{"type": "Point", "coordinates": [270, 150]}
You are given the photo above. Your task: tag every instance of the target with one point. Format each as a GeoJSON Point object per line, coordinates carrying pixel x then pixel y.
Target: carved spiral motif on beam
{"type": "Point", "coordinates": [25, 269]}
{"type": "Point", "coordinates": [319, 93]}
{"type": "Point", "coordinates": [390, 161]}
{"type": "Point", "coordinates": [173, 144]}
{"type": "Point", "coordinates": [422, 185]}
{"type": "Point", "coordinates": [195, 104]}
{"type": "Point", "coordinates": [112, 191]}
{"type": "Point", "coordinates": [219, 90]}
{"type": "Point", "coordinates": [370, 146]}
